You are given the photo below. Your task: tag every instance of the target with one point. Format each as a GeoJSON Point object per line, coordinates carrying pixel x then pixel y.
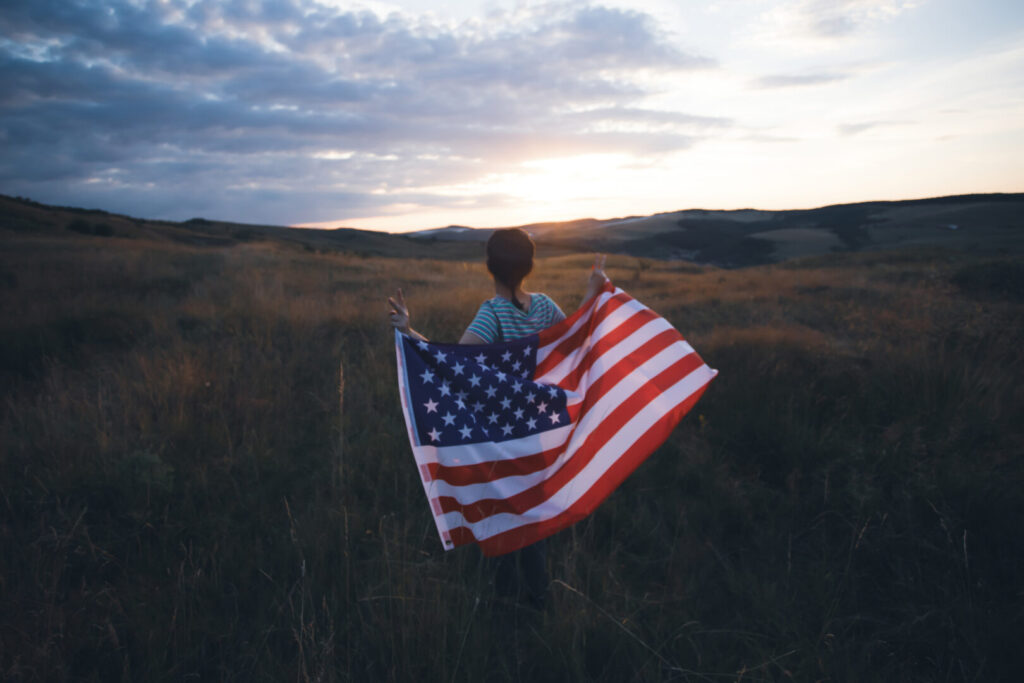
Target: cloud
{"type": "Point", "coordinates": [850, 129]}
{"type": "Point", "coordinates": [829, 20]}
{"type": "Point", "coordinates": [171, 102]}
{"type": "Point", "coordinates": [798, 80]}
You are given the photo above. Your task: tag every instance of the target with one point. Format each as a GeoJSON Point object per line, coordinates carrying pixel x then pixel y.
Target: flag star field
{"type": "Point", "coordinates": [477, 394]}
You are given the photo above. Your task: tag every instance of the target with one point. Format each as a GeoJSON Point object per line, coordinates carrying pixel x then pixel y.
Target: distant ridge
{"type": "Point", "coordinates": [725, 238]}
{"type": "Point", "coordinates": [742, 237]}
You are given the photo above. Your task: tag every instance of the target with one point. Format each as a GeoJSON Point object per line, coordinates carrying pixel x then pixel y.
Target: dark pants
{"type": "Point", "coordinates": [522, 575]}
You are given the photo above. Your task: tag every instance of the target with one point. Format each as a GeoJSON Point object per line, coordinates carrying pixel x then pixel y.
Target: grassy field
{"type": "Point", "coordinates": [204, 476]}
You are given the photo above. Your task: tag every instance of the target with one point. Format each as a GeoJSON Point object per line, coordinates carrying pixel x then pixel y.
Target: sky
{"type": "Point", "coordinates": [400, 116]}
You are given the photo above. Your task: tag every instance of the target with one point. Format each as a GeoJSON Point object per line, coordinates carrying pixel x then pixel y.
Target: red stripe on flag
{"type": "Point", "coordinates": [462, 535]}
{"type": "Point", "coordinates": [463, 475]}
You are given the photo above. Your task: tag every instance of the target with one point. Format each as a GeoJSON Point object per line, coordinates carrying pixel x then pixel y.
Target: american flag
{"type": "Point", "coordinates": [517, 440]}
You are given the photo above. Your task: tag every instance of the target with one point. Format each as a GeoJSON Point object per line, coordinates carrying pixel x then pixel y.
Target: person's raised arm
{"type": "Point", "coordinates": [597, 278]}
{"type": "Point", "coordinates": [399, 316]}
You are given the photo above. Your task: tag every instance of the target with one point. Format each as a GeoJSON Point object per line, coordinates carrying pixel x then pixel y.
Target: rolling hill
{"type": "Point", "coordinates": [991, 222]}
{"type": "Point", "coordinates": [984, 223]}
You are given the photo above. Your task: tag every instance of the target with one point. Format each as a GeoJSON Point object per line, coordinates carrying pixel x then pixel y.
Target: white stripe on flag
{"type": "Point", "coordinates": [498, 488]}
{"type": "Point", "coordinates": [476, 453]}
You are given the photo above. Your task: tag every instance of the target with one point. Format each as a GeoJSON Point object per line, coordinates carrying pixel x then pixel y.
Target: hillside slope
{"type": "Point", "coordinates": [979, 223]}
{"type": "Point", "coordinates": [984, 224]}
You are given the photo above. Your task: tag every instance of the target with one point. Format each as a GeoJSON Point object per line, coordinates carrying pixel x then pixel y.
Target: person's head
{"type": "Point", "coordinates": [510, 256]}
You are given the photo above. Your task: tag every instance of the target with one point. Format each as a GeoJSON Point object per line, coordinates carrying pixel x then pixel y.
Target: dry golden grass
{"type": "Point", "coordinates": [182, 498]}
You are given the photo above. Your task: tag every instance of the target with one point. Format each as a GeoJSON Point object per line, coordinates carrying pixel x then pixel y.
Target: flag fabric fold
{"type": "Point", "coordinates": [517, 440]}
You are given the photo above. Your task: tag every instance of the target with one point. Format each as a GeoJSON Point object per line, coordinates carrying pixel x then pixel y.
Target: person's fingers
{"type": "Point", "coordinates": [398, 306]}
{"type": "Point", "coordinates": [398, 302]}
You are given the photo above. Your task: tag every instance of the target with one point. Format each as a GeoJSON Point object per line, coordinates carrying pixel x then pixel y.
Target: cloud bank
{"type": "Point", "coordinates": [294, 111]}
{"type": "Point", "coordinates": [823, 21]}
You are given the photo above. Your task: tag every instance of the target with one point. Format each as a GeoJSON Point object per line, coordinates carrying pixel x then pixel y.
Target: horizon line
{"type": "Point", "coordinates": [336, 225]}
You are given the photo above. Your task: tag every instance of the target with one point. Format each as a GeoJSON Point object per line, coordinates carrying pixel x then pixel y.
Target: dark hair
{"type": "Point", "coordinates": [510, 256]}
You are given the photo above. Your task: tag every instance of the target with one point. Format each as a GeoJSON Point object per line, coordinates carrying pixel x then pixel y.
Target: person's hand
{"type": "Point", "coordinates": [597, 277]}
{"type": "Point", "coordinates": [597, 273]}
{"type": "Point", "coordinates": [399, 312]}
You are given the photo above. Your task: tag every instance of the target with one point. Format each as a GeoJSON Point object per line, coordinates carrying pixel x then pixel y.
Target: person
{"type": "Point", "coordinates": [512, 313]}
{"type": "Point", "coordinates": [510, 253]}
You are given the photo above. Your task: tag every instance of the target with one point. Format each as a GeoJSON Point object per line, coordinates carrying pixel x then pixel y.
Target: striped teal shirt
{"type": "Point", "coordinates": [499, 320]}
